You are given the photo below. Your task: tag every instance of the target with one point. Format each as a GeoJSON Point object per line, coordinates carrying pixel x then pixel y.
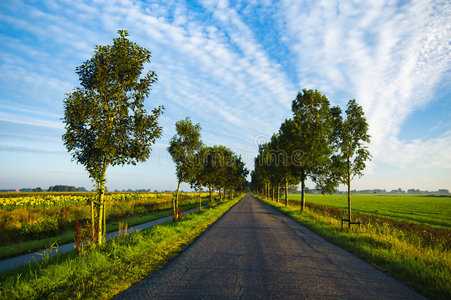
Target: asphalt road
{"type": "Point", "coordinates": [255, 252]}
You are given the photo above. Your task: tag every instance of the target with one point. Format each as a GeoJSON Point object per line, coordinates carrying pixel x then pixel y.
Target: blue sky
{"type": "Point", "coordinates": [234, 67]}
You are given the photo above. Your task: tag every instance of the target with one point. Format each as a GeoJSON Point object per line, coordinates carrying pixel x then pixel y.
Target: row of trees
{"type": "Point", "coordinates": [214, 167]}
{"type": "Point", "coordinates": [319, 143]}
{"type": "Point", "coordinates": [107, 124]}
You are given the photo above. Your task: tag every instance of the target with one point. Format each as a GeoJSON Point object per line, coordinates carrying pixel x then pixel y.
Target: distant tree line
{"type": "Point", "coordinates": [319, 143]}
{"type": "Point", "coordinates": [66, 188]}
{"type": "Point", "coordinates": [56, 188]}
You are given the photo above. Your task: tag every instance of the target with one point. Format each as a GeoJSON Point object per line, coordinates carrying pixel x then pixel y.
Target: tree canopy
{"type": "Point", "coordinates": [183, 148]}
{"type": "Point", "coordinates": [310, 134]}
{"type": "Point", "coordinates": [350, 139]}
{"type": "Point", "coordinates": [105, 119]}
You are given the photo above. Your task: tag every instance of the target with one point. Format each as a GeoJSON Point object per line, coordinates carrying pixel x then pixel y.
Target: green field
{"type": "Point", "coordinates": [422, 209]}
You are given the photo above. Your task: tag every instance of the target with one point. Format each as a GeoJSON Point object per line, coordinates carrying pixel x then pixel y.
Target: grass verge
{"type": "Point", "coordinates": [425, 268]}
{"type": "Point", "coordinates": [68, 237]}
{"type": "Point", "coordinates": [104, 272]}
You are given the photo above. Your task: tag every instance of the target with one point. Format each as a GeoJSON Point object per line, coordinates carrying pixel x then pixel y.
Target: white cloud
{"type": "Point", "coordinates": [30, 121]}
{"type": "Point", "coordinates": [433, 153]}
{"type": "Point", "coordinates": [388, 56]}
{"type": "Point", "coordinates": [21, 148]}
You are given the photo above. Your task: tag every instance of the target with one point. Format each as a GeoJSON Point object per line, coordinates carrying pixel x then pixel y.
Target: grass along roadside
{"type": "Point", "coordinates": [68, 236]}
{"type": "Point", "coordinates": [26, 222]}
{"type": "Point", "coordinates": [425, 268]}
{"type": "Point", "coordinates": [104, 272]}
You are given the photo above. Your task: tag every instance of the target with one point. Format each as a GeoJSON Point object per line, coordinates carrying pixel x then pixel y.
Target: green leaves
{"type": "Point", "coordinates": [105, 119]}
{"type": "Point", "coordinates": [311, 130]}
{"type": "Point", "coordinates": [351, 143]}
{"type": "Point", "coordinates": [183, 148]}
{"type": "Point", "coordinates": [317, 143]}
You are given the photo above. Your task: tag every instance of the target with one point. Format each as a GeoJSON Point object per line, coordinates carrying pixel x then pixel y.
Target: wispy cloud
{"type": "Point", "coordinates": [387, 55]}
{"type": "Point", "coordinates": [219, 62]}
{"type": "Point", "coordinates": [211, 71]}
{"type": "Point", "coordinates": [20, 148]}
{"type": "Point", "coordinates": [30, 122]}
{"type": "Point", "coordinates": [433, 153]}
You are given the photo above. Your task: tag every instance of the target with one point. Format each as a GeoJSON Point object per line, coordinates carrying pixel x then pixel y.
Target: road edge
{"type": "Point", "coordinates": [354, 253]}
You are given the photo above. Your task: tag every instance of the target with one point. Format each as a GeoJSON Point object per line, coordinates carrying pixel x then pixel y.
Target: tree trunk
{"type": "Point", "coordinates": [278, 191]}
{"type": "Point", "coordinates": [92, 220]}
{"type": "Point", "coordinates": [101, 208]}
{"type": "Point", "coordinates": [173, 208]}
{"type": "Point", "coordinates": [349, 192]}
{"type": "Point", "coordinates": [101, 214]}
{"type": "Point", "coordinates": [286, 191]}
{"type": "Point", "coordinates": [211, 197]}
{"type": "Point", "coordinates": [220, 195]}
{"type": "Point", "coordinates": [200, 198]}
{"type": "Point", "coordinates": [176, 204]}
{"type": "Point", "coordinates": [272, 190]}
{"type": "Point", "coordinates": [302, 192]}
{"type": "Point", "coordinates": [104, 219]}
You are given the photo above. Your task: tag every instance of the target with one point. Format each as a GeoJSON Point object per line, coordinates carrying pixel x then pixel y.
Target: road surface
{"type": "Point", "coordinates": [255, 252]}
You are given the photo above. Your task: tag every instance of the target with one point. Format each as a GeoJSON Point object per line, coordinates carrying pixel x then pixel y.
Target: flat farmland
{"type": "Point", "coordinates": [34, 221]}
{"type": "Point", "coordinates": [431, 210]}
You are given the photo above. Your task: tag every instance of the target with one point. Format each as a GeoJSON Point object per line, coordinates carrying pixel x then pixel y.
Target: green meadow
{"type": "Point", "coordinates": [431, 210]}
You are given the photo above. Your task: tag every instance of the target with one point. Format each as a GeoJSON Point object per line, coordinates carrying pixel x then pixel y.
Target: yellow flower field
{"type": "Point", "coordinates": [10, 201]}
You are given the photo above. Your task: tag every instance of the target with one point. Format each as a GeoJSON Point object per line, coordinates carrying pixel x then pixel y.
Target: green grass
{"type": "Point", "coordinates": [425, 267]}
{"type": "Point", "coordinates": [104, 272]}
{"type": "Point", "coordinates": [68, 237]}
{"type": "Point", "coordinates": [421, 209]}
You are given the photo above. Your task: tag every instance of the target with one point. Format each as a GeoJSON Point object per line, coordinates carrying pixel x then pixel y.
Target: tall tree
{"type": "Point", "coordinates": [197, 180]}
{"type": "Point", "coordinates": [264, 167]}
{"type": "Point", "coordinates": [261, 175]}
{"type": "Point", "coordinates": [183, 148]}
{"type": "Point", "coordinates": [235, 174]}
{"type": "Point", "coordinates": [105, 119]}
{"type": "Point", "coordinates": [312, 130]}
{"type": "Point", "coordinates": [350, 138]}
{"type": "Point", "coordinates": [223, 160]}
{"type": "Point", "coordinates": [207, 175]}
{"type": "Point", "coordinates": [307, 136]}
{"type": "Point", "coordinates": [288, 133]}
